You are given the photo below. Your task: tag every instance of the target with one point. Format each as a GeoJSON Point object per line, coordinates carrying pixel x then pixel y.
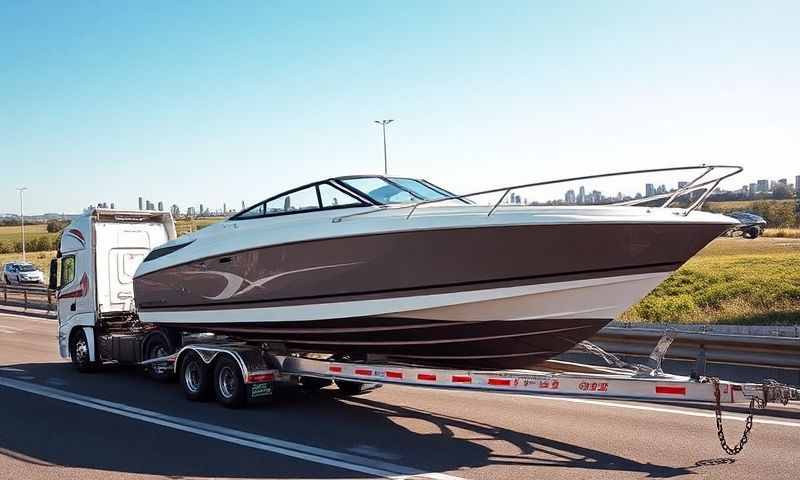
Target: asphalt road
{"type": "Point", "coordinates": [57, 423]}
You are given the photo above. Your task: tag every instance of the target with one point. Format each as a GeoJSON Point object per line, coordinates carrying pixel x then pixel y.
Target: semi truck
{"type": "Point", "coordinates": [92, 275]}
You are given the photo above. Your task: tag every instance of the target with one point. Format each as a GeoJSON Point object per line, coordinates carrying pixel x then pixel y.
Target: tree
{"type": "Point", "coordinates": [54, 226]}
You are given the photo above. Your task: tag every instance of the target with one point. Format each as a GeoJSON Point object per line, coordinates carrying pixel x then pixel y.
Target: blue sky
{"type": "Point", "coordinates": [214, 102]}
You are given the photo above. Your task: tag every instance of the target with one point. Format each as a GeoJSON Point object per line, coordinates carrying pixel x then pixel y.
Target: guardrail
{"type": "Point", "coordinates": [40, 298]}
{"type": "Point", "coordinates": [761, 346]}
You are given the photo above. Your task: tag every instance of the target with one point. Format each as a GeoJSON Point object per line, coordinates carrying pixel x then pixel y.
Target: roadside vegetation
{"type": "Point", "coordinates": [734, 281]}
{"type": "Point", "coordinates": [779, 214]}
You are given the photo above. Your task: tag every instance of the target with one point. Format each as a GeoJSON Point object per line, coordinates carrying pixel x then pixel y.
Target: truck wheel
{"type": "Point", "coordinates": [229, 385]}
{"type": "Point", "coordinates": [157, 345]}
{"type": "Point", "coordinates": [194, 377]}
{"type": "Point", "coordinates": [79, 352]}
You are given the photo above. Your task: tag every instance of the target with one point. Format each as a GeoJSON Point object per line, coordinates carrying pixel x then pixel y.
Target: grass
{"type": "Point", "coordinates": [733, 281]}
{"type": "Point", "coordinates": [782, 232]}
{"type": "Point", "coordinates": [12, 234]}
{"type": "Point", "coordinates": [183, 227]}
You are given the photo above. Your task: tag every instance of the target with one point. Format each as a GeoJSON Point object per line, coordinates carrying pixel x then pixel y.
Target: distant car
{"type": "Point", "coordinates": [22, 273]}
{"type": "Point", "coordinates": [751, 224]}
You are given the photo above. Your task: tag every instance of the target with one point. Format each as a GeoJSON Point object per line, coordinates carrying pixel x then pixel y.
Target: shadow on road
{"type": "Point", "coordinates": [50, 432]}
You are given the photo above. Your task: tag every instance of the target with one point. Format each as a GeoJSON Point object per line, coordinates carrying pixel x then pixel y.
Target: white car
{"type": "Point", "coordinates": [22, 273]}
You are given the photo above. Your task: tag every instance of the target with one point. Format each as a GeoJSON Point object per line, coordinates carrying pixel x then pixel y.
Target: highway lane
{"type": "Point", "coordinates": [60, 431]}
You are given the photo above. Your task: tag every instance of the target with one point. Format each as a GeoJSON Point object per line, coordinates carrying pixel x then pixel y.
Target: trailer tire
{"type": "Point", "coordinates": [157, 344]}
{"type": "Point", "coordinates": [229, 385]}
{"type": "Point", "coordinates": [79, 352]}
{"type": "Point", "coordinates": [195, 377]}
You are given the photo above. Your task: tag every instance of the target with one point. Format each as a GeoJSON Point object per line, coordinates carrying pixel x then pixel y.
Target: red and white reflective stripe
{"type": "Point", "coordinates": [461, 379]}
{"type": "Point", "coordinates": [670, 390]}
{"type": "Point", "coordinates": [260, 377]}
{"type": "Point", "coordinates": [363, 371]}
{"type": "Point", "coordinates": [335, 369]}
{"type": "Point", "coordinates": [428, 377]}
{"type": "Point", "coordinates": [500, 382]}
{"type": "Point", "coordinates": [393, 374]}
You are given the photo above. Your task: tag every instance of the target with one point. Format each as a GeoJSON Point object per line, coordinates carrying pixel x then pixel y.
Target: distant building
{"type": "Point", "coordinates": [150, 205]}
{"type": "Point", "coordinates": [569, 197]}
{"type": "Point", "coordinates": [191, 212]}
{"type": "Point", "coordinates": [797, 183]}
{"type": "Point", "coordinates": [160, 206]}
{"type": "Point", "coordinates": [224, 208]}
{"type": "Point", "coordinates": [140, 203]}
{"type": "Point", "coordinates": [581, 195]}
{"type": "Point", "coordinates": [763, 186]}
{"type": "Point", "coordinates": [753, 189]}
{"type": "Point", "coordinates": [784, 181]}
{"type": "Point", "coordinates": [649, 190]}
{"type": "Point", "coordinates": [112, 205]}
{"type": "Point", "coordinates": [244, 207]}
{"type": "Point", "coordinates": [682, 184]}
{"type": "Point", "coordinates": [202, 212]}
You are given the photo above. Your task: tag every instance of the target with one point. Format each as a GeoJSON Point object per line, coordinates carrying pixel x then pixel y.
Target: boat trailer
{"type": "Point", "coordinates": [259, 369]}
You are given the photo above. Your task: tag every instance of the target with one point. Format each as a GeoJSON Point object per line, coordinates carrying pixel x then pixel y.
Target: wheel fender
{"type": "Point", "coordinates": [89, 332]}
{"type": "Point", "coordinates": [67, 327]}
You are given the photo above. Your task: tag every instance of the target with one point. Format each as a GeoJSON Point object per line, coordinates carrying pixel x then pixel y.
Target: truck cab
{"type": "Point", "coordinates": [92, 275]}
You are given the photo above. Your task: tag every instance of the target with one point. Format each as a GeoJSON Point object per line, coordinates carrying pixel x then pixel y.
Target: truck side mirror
{"type": "Point", "coordinates": [53, 285]}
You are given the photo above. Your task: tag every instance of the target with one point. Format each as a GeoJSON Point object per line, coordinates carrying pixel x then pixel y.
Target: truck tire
{"type": "Point", "coordinates": [157, 344]}
{"type": "Point", "coordinates": [195, 377]}
{"type": "Point", "coordinates": [229, 385]}
{"type": "Point", "coordinates": [79, 352]}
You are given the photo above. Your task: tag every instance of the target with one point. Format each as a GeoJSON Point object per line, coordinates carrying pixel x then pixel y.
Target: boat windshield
{"type": "Point", "coordinates": [394, 190]}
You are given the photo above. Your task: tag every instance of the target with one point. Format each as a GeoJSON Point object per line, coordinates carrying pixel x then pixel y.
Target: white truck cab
{"type": "Point", "coordinates": [93, 276]}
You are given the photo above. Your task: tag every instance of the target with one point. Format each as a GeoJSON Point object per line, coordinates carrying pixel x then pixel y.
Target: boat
{"type": "Point", "coordinates": [402, 270]}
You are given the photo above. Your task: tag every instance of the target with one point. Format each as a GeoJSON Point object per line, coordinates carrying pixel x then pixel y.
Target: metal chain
{"type": "Point", "coordinates": [755, 402]}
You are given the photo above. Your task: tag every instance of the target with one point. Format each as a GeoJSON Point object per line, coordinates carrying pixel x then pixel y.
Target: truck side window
{"type": "Point", "coordinates": [67, 270]}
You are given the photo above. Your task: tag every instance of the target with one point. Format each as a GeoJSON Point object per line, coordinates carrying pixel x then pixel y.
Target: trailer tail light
{"type": "Point", "coordinates": [461, 379]}
{"type": "Point", "coordinates": [260, 377]}
{"type": "Point", "coordinates": [391, 374]}
{"type": "Point", "coordinates": [363, 371]}
{"type": "Point", "coordinates": [335, 369]}
{"type": "Point", "coordinates": [428, 377]}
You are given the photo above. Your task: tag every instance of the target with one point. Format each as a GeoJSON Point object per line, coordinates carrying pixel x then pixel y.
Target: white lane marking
{"type": "Point", "coordinates": [726, 415]}
{"type": "Point", "coordinates": [290, 449]}
{"type": "Point", "coordinates": [11, 369]}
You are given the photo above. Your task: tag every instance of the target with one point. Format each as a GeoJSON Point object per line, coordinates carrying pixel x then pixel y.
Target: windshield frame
{"type": "Point", "coordinates": [342, 182]}
{"type": "Point", "coordinates": [362, 203]}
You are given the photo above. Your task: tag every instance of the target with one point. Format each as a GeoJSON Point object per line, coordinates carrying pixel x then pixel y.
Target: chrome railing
{"type": "Point", "coordinates": [690, 187]}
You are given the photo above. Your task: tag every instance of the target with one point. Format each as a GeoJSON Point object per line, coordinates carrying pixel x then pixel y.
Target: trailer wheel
{"type": "Point", "coordinates": [156, 345]}
{"type": "Point", "coordinates": [79, 351]}
{"type": "Point", "coordinates": [195, 377]}
{"type": "Point", "coordinates": [229, 385]}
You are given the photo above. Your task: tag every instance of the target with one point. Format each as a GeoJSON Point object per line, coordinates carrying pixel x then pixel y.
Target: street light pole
{"type": "Point", "coordinates": [22, 218]}
{"type": "Point", "coordinates": [383, 124]}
